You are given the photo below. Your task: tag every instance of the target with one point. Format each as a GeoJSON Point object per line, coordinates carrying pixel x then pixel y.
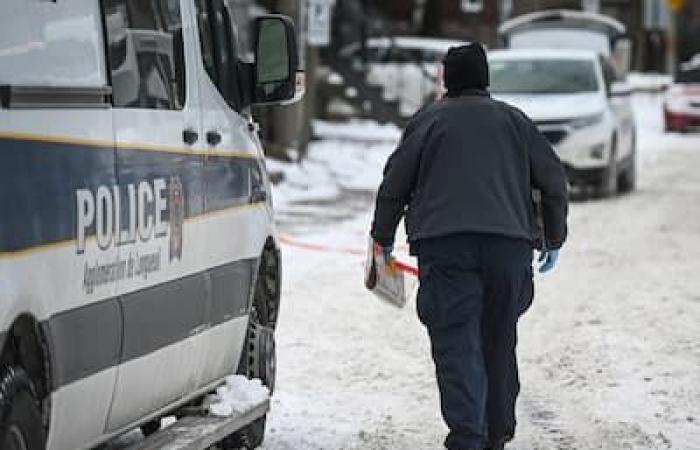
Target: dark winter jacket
{"type": "Point", "coordinates": [468, 164]}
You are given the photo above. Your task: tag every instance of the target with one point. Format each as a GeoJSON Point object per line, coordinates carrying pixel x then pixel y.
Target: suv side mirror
{"type": "Point", "coordinates": [276, 60]}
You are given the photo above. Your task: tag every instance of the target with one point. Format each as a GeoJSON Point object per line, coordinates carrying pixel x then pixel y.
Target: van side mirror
{"type": "Point", "coordinates": [276, 60]}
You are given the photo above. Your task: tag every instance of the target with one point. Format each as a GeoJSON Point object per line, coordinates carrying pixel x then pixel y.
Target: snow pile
{"type": "Point", "coordinates": [334, 167]}
{"type": "Point", "coordinates": [305, 181]}
{"type": "Point", "coordinates": [237, 395]}
{"type": "Point", "coordinates": [357, 130]}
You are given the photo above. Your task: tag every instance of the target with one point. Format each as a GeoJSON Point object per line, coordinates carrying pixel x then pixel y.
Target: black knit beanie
{"type": "Point", "coordinates": [466, 68]}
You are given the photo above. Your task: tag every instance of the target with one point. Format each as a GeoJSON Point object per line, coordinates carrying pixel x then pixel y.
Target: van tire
{"type": "Point", "coordinates": [254, 364]}
{"type": "Point", "coordinates": [266, 300]}
{"type": "Point", "coordinates": [21, 426]}
{"type": "Point", "coordinates": [258, 360]}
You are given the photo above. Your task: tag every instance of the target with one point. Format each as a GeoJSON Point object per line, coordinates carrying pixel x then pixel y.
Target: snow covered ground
{"type": "Point", "coordinates": [609, 352]}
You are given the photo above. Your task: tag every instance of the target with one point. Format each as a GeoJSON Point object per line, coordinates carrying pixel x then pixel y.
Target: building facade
{"type": "Point", "coordinates": [648, 22]}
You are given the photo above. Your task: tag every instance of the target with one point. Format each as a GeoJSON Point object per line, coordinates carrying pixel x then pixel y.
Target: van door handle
{"type": "Point", "coordinates": [213, 138]}
{"type": "Point", "coordinates": [190, 136]}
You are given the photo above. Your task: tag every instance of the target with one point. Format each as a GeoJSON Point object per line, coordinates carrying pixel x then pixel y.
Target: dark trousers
{"type": "Point", "coordinates": [473, 288]}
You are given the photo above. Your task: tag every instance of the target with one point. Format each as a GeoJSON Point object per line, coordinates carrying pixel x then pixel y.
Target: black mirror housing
{"type": "Point", "coordinates": [276, 60]}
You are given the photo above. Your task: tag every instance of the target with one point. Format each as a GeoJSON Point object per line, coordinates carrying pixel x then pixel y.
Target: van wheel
{"type": "Point", "coordinates": [608, 183]}
{"type": "Point", "coordinates": [257, 361]}
{"type": "Point", "coordinates": [21, 427]}
{"type": "Point", "coordinates": [267, 289]}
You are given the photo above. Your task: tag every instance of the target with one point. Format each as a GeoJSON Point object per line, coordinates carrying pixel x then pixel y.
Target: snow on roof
{"type": "Point", "coordinates": [542, 53]}
{"type": "Point", "coordinates": [562, 18]}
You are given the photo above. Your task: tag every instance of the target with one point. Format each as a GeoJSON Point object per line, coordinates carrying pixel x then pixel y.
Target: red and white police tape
{"type": "Point", "coordinates": [290, 241]}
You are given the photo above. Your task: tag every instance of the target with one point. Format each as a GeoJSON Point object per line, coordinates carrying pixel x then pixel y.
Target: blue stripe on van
{"type": "Point", "coordinates": [40, 180]}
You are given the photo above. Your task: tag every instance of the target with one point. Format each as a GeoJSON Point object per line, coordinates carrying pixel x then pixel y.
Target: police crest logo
{"type": "Point", "coordinates": [177, 216]}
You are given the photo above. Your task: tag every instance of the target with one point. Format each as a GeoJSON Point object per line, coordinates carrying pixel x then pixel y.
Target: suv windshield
{"type": "Point", "coordinates": [542, 76]}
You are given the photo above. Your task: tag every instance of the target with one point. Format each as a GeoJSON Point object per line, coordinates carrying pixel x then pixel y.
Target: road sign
{"type": "Point", "coordinates": [318, 22]}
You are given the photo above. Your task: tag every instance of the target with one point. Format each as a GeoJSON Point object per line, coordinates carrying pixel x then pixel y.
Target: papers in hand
{"type": "Point", "coordinates": [383, 278]}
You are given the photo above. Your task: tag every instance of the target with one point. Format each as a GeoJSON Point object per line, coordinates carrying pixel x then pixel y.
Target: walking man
{"type": "Point", "coordinates": [463, 177]}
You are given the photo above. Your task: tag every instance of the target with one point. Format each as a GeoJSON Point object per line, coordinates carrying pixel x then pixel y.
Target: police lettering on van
{"type": "Point", "coordinates": [138, 213]}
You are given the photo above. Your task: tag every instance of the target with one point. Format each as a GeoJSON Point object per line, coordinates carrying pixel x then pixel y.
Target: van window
{"type": "Point", "coordinates": [145, 53]}
{"type": "Point", "coordinates": [218, 42]}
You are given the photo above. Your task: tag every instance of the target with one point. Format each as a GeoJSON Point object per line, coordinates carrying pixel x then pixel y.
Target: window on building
{"type": "Point", "coordinates": [145, 53]}
{"type": "Point", "coordinates": [472, 6]}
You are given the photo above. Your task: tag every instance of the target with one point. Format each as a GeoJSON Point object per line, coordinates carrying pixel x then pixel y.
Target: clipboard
{"type": "Point", "coordinates": [386, 279]}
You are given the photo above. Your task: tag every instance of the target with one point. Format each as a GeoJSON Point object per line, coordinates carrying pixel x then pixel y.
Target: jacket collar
{"type": "Point", "coordinates": [469, 91]}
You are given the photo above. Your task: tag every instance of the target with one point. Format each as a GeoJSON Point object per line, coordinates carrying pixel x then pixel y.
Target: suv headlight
{"type": "Point", "coordinates": [586, 121]}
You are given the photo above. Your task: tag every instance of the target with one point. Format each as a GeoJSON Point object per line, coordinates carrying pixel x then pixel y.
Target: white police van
{"type": "Point", "coordinates": [138, 261]}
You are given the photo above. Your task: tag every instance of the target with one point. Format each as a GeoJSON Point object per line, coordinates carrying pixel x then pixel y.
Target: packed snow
{"type": "Point", "coordinates": [237, 395]}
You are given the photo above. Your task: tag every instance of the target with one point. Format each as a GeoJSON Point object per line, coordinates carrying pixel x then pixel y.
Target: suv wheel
{"type": "Point", "coordinates": [21, 427]}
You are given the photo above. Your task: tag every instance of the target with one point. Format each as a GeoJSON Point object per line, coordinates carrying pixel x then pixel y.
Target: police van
{"type": "Point", "coordinates": [138, 260]}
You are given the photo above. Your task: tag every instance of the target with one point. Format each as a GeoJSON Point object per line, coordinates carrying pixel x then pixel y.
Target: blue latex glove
{"type": "Point", "coordinates": [548, 258]}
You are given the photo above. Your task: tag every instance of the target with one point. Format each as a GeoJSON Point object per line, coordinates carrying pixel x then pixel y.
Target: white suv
{"type": "Point", "coordinates": [574, 99]}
